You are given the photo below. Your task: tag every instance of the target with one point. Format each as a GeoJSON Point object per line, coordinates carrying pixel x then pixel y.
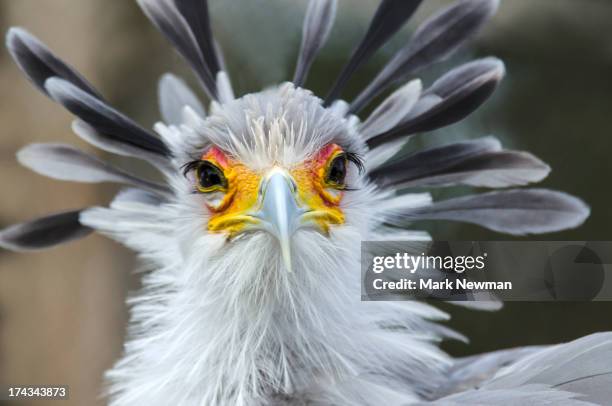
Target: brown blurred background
{"type": "Point", "coordinates": [62, 317]}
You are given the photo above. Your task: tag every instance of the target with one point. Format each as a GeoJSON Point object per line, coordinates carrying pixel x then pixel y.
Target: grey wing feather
{"type": "Point", "coordinates": [582, 365]}
{"type": "Point", "coordinates": [528, 395]}
{"type": "Point", "coordinates": [469, 372]}
{"type": "Point", "coordinates": [575, 373]}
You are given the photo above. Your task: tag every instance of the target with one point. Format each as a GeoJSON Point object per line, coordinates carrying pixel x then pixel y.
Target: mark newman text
{"type": "Point", "coordinates": [430, 284]}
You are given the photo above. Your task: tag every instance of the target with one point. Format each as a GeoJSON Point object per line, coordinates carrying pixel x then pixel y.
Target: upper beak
{"type": "Point", "coordinates": [279, 211]}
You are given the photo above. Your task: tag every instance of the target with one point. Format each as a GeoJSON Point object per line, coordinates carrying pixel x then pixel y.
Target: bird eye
{"type": "Point", "coordinates": [209, 177]}
{"type": "Point", "coordinates": [336, 173]}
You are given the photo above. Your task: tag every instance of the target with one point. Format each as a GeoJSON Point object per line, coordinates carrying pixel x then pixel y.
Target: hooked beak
{"type": "Point", "coordinates": [279, 211]}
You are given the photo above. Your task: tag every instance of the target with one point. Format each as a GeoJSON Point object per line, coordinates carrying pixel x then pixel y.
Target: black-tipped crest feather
{"type": "Point", "coordinates": [389, 18]}
{"type": "Point", "coordinates": [516, 212]}
{"type": "Point", "coordinates": [44, 232]}
{"type": "Point", "coordinates": [434, 41]}
{"type": "Point", "coordinates": [185, 23]}
{"type": "Point", "coordinates": [454, 103]}
{"type": "Point", "coordinates": [107, 121]}
{"type": "Point", "coordinates": [37, 61]}
{"type": "Point", "coordinates": [318, 23]}
{"type": "Point", "coordinates": [65, 162]}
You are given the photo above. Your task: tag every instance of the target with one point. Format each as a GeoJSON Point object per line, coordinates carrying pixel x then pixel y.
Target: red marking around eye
{"type": "Point", "coordinates": [217, 155]}
{"type": "Point", "coordinates": [325, 153]}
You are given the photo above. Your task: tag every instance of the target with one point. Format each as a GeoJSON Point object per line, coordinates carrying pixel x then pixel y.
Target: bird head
{"type": "Point", "coordinates": [275, 162]}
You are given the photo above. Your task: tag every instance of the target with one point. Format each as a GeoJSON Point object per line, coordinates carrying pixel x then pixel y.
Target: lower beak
{"type": "Point", "coordinates": [279, 211]}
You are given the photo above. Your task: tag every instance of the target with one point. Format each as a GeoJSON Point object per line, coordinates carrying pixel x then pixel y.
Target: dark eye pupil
{"type": "Point", "coordinates": [209, 176]}
{"type": "Point", "coordinates": [337, 171]}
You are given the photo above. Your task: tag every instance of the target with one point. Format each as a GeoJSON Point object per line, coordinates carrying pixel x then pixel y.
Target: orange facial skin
{"type": "Point", "coordinates": [240, 197]}
{"type": "Point", "coordinates": [314, 191]}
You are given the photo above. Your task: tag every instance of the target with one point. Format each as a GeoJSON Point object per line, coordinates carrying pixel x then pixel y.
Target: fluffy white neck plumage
{"type": "Point", "coordinates": [228, 324]}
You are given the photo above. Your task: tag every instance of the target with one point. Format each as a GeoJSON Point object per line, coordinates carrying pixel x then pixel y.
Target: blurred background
{"type": "Point", "coordinates": [62, 312]}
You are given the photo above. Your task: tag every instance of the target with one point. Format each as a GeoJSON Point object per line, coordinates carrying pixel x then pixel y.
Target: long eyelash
{"type": "Point", "coordinates": [356, 159]}
{"type": "Point", "coordinates": [190, 166]}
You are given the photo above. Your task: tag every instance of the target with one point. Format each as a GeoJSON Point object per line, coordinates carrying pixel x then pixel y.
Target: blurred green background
{"type": "Point", "coordinates": [62, 316]}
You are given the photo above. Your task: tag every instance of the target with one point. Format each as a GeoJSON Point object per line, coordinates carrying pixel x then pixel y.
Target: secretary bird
{"type": "Point", "coordinates": [253, 239]}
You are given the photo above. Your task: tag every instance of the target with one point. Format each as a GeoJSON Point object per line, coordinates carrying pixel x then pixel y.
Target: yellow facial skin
{"type": "Point", "coordinates": [240, 196]}
{"type": "Point", "coordinates": [316, 193]}
{"type": "Point", "coordinates": [232, 213]}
